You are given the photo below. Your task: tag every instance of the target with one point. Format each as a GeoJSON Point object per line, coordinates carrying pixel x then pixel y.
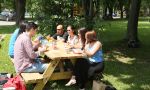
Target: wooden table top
{"type": "Point", "coordinates": [61, 52]}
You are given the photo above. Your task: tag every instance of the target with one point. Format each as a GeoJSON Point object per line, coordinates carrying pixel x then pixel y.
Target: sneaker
{"type": "Point", "coordinates": [71, 82]}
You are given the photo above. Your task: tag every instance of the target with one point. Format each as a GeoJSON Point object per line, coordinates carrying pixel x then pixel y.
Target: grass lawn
{"type": "Point", "coordinates": [125, 68]}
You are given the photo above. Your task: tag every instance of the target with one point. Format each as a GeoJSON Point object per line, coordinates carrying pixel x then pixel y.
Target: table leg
{"type": "Point", "coordinates": [47, 74]}
{"type": "Point", "coordinates": [61, 66]}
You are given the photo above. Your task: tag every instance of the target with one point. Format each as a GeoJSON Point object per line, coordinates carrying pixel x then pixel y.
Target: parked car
{"type": "Point", "coordinates": [7, 15]}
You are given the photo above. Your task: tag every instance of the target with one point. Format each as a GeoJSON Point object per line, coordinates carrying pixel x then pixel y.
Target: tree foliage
{"type": "Point", "coordinates": [7, 4]}
{"type": "Point", "coordinates": [49, 13]}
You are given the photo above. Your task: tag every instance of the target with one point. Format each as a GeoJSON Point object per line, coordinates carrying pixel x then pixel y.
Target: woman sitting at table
{"type": "Point", "coordinates": [93, 50]}
{"type": "Point", "coordinates": [94, 64]}
{"type": "Point", "coordinates": [79, 73]}
{"type": "Point", "coordinates": [71, 41]}
{"type": "Point", "coordinates": [72, 38]}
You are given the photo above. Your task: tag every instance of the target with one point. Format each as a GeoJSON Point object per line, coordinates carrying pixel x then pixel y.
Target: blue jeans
{"type": "Point", "coordinates": [37, 66]}
{"type": "Point", "coordinates": [12, 56]}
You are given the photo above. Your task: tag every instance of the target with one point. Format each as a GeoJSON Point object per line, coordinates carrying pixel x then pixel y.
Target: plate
{"type": "Point", "coordinates": [78, 51]}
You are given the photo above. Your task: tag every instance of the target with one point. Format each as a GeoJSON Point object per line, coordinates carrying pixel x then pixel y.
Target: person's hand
{"type": "Point", "coordinates": [36, 44]}
{"type": "Point", "coordinates": [41, 50]}
{"type": "Point", "coordinates": [48, 37]}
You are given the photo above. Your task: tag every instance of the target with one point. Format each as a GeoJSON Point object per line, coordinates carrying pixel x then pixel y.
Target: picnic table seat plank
{"type": "Point", "coordinates": [32, 77]}
{"type": "Point", "coordinates": [61, 75]}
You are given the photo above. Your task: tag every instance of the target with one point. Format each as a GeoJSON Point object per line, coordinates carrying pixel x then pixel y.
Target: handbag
{"type": "Point", "coordinates": [16, 83]}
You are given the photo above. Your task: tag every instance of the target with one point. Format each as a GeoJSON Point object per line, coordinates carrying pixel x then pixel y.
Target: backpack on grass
{"type": "Point", "coordinates": [4, 77]}
{"type": "Point", "coordinates": [16, 83]}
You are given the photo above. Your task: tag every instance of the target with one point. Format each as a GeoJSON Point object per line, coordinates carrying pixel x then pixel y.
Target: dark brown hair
{"type": "Point", "coordinates": [22, 27]}
{"type": "Point", "coordinates": [82, 32]}
{"type": "Point", "coordinates": [91, 36]}
{"type": "Point", "coordinates": [31, 25]}
{"type": "Point", "coordinates": [73, 28]}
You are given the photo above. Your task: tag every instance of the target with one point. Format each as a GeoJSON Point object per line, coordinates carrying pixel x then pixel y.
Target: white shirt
{"type": "Point", "coordinates": [72, 41]}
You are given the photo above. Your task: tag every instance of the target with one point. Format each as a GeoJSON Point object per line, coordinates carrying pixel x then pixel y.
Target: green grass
{"type": "Point", "coordinates": [125, 68]}
{"type": "Point", "coordinates": [7, 29]}
{"type": "Point", "coordinates": [5, 63]}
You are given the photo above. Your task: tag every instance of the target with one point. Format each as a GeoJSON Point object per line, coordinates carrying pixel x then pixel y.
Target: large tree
{"type": "Point", "coordinates": [132, 32]}
{"type": "Point", "coordinates": [20, 10]}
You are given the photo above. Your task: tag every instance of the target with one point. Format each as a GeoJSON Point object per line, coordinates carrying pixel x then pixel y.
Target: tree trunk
{"type": "Point", "coordinates": [132, 33]}
{"type": "Point", "coordinates": [110, 13]}
{"type": "Point", "coordinates": [97, 7]}
{"type": "Point", "coordinates": [121, 11]}
{"type": "Point", "coordinates": [127, 13]}
{"type": "Point", "coordinates": [20, 10]}
{"type": "Point", "coordinates": [105, 12]}
{"type": "Point", "coordinates": [88, 8]}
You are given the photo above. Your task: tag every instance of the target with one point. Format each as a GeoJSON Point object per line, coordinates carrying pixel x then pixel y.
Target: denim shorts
{"type": "Point", "coordinates": [37, 66]}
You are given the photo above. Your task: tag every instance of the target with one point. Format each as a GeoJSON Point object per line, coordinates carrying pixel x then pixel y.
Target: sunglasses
{"type": "Point", "coordinates": [68, 30]}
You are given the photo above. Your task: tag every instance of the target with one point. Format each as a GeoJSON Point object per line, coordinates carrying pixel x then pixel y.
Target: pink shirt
{"type": "Point", "coordinates": [23, 52]}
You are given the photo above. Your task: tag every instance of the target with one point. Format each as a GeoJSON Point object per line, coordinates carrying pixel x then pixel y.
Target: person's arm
{"type": "Point", "coordinates": [36, 44]}
{"type": "Point", "coordinates": [96, 47]}
{"type": "Point", "coordinates": [29, 49]}
{"type": "Point", "coordinates": [65, 37]}
{"type": "Point", "coordinates": [55, 36]}
{"type": "Point", "coordinates": [78, 45]}
{"type": "Point", "coordinates": [76, 40]}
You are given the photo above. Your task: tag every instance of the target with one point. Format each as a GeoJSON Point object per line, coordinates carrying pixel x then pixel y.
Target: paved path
{"type": "Point", "coordinates": [2, 23]}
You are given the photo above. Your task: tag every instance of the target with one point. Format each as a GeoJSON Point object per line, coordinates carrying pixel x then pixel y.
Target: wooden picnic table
{"type": "Point", "coordinates": [57, 56]}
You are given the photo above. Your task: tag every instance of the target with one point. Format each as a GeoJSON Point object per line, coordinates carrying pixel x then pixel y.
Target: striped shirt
{"type": "Point", "coordinates": [23, 52]}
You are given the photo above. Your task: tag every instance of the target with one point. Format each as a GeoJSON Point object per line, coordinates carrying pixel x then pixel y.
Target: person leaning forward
{"type": "Point", "coordinates": [25, 58]}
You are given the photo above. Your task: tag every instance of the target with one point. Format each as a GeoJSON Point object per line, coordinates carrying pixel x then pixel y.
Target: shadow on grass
{"type": "Point", "coordinates": [129, 65]}
{"type": "Point", "coordinates": [133, 75]}
{"type": "Point", "coordinates": [59, 85]}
